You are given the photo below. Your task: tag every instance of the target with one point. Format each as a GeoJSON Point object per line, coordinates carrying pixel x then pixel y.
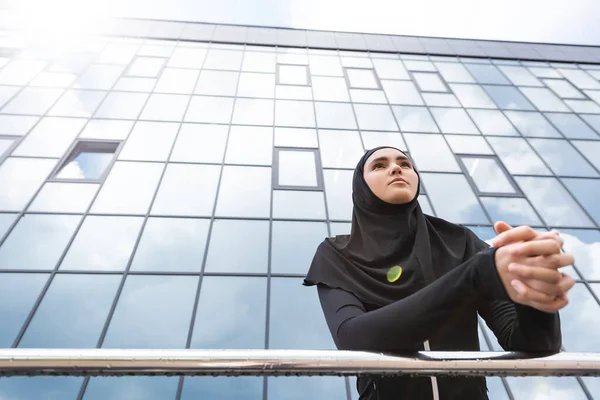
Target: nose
{"type": "Point", "coordinates": [396, 169]}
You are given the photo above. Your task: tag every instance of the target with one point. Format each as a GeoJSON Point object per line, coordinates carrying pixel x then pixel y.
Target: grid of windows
{"type": "Point", "coordinates": [171, 194]}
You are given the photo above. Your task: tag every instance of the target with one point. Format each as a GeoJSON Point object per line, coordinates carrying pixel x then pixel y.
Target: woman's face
{"type": "Point", "coordinates": [391, 177]}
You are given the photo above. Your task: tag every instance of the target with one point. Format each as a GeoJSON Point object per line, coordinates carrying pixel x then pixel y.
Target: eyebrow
{"type": "Point", "coordinates": [378, 159]}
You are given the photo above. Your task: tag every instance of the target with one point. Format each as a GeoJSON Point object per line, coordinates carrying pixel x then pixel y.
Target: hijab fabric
{"type": "Point", "coordinates": [384, 235]}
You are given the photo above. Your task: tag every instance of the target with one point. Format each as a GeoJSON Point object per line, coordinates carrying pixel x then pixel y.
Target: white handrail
{"type": "Point", "coordinates": [91, 362]}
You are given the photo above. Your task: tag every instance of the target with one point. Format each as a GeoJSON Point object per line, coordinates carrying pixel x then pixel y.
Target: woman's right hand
{"type": "Point", "coordinates": [535, 262]}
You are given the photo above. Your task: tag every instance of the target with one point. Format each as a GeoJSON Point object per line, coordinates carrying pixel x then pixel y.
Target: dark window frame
{"type": "Point", "coordinates": [320, 187]}
{"type": "Point", "coordinates": [518, 192]}
{"type": "Point", "coordinates": [82, 145]}
{"type": "Point", "coordinates": [278, 74]}
{"type": "Point", "coordinates": [349, 83]}
{"type": "Point", "coordinates": [585, 96]}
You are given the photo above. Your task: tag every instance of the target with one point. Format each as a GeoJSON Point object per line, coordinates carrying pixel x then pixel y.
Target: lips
{"type": "Point", "coordinates": [398, 180]}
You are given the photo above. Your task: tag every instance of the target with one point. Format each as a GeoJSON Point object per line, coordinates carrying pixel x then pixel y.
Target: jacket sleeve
{"type": "Point", "coordinates": [517, 327]}
{"type": "Point", "coordinates": [407, 323]}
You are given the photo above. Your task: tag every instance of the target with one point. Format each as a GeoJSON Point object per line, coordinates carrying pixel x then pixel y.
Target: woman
{"type": "Point", "coordinates": [404, 281]}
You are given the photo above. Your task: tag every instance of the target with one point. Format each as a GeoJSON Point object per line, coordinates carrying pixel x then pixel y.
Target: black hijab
{"type": "Point", "coordinates": [384, 235]}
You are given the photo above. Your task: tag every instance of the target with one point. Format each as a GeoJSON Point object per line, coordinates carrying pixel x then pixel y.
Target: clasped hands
{"type": "Point", "coordinates": [528, 262]}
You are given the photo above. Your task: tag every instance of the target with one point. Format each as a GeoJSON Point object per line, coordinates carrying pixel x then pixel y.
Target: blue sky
{"type": "Point", "coordinates": [551, 21]}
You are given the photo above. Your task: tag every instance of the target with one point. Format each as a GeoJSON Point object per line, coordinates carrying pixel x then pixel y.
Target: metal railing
{"type": "Point", "coordinates": [123, 362]}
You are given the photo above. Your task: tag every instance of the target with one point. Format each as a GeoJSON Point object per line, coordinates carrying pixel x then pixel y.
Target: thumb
{"type": "Point", "coordinates": [501, 226]}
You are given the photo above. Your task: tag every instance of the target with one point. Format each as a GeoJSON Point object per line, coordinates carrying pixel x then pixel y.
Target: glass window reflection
{"type": "Point", "coordinates": [214, 387]}
{"type": "Point", "coordinates": [554, 204]}
{"type": "Point", "coordinates": [293, 204]}
{"type": "Point", "coordinates": [508, 98]}
{"type": "Point", "coordinates": [590, 150]}
{"type": "Point", "coordinates": [338, 187]}
{"type": "Point", "coordinates": [255, 185]}
{"type": "Point", "coordinates": [134, 387]}
{"type": "Point", "coordinates": [390, 69]}
{"type": "Point", "coordinates": [454, 120]}
{"type": "Point", "coordinates": [256, 85]}
{"type": "Point", "coordinates": [454, 72]}
{"type": "Point", "coordinates": [294, 113]}
{"type": "Point", "coordinates": [571, 126]}
{"type": "Point", "coordinates": [316, 388]}
{"type": "Point", "coordinates": [562, 158]}
{"type": "Point", "coordinates": [564, 89]}
{"type": "Point", "coordinates": [487, 175]}
{"type": "Point", "coordinates": [149, 141]}
{"type": "Point", "coordinates": [414, 119]}
{"type": "Point", "coordinates": [584, 244]}
{"type": "Point", "coordinates": [72, 312]}
{"type": "Point", "coordinates": [587, 192]}
{"type": "Point", "coordinates": [580, 323]}
{"type": "Point", "coordinates": [431, 153]}
{"type": "Point", "coordinates": [20, 178]}
{"type": "Point", "coordinates": [171, 245]}
{"type": "Point", "coordinates": [32, 101]}
{"type": "Point", "coordinates": [544, 99]}
{"type": "Point", "coordinates": [532, 124]}
{"type": "Point", "coordinates": [468, 144]}
{"type": "Point", "coordinates": [37, 241]}
{"type": "Point", "coordinates": [209, 109]}
{"type": "Point", "coordinates": [251, 239]}
{"type": "Point", "coordinates": [40, 387]}
{"type": "Point", "coordinates": [18, 294]}
{"type": "Point", "coordinates": [335, 115]}
{"type": "Point", "coordinates": [487, 74]}
{"type": "Point", "coordinates": [376, 139]}
{"type": "Point", "coordinates": [294, 244]}
{"type": "Point", "coordinates": [513, 211]}
{"type": "Point", "coordinates": [329, 89]}
{"type": "Point", "coordinates": [492, 122]}
{"type": "Point", "coordinates": [545, 388]}
{"type": "Point", "coordinates": [152, 312]}
{"type": "Point", "coordinates": [165, 107]}
{"type": "Point", "coordinates": [222, 298]}
{"type": "Point", "coordinates": [77, 103]}
{"type": "Point", "coordinates": [122, 105]}
{"type": "Point", "coordinates": [375, 117]}
{"type": "Point", "coordinates": [520, 76]}
{"type": "Point", "coordinates": [295, 137]}
{"type": "Point", "coordinates": [297, 168]}
{"type": "Point", "coordinates": [250, 145]}
{"type": "Point", "coordinates": [198, 143]}
{"type": "Point", "coordinates": [402, 92]}
{"type": "Point", "coordinates": [217, 83]}
{"type": "Point", "coordinates": [472, 96]}
{"type": "Point", "coordinates": [177, 81]}
{"type": "Point", "coordinates": [50, 138]}
{"type": "Point", "coordinates": [253, 112]}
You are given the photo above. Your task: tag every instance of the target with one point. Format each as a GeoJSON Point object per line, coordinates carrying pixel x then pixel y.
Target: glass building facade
{"type": "Point", "coordinates": [166, 186]}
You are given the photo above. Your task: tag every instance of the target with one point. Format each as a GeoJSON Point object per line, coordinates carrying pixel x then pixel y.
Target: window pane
{"type": "Point", "coordinates": [209, 109]}
{"type": "Point", "coordinates": [593, 120]}
{"type": "Point", "coordinates": [293, 75]}
{"type": "Point", "coordinates": [431, 153]}
{"type": "Point", "coordinates": [135, 84]}
{"type": "Point", "coordinates": [64, 197]}
{"type": "Point", "coordinates": [101, 77]}
{"type": "Point", "coordinates": [295, 113]}
{"type": "Point", "coordinates": [304, 331]}
{"type": "Point", "coordinates": [256, 85]}
{"type": "Point", "coordinates": [390, 69]}
{"type": "Point", "coordinates": [520, 76]}
{"type": "Point", "coordinates": [20, 178]}
{"type": "Point", "coordinates": [320, 65]}
{"type": "Point", "coordinates": [295, 137]}
{"type": "Point", "coordinates": [178, 81]}
{"type": "Point", "coordinates": [200, 143]}
{"type": "Point", "coordinates": [518, 157]}
{"type": "Point", "coordinates": [33, 101]}
{"type": "Point", "coordinates": [252, 245]}
{"type": "Point", "coordinates": [228, 306]}
{"type": "Point", "coordinates": [419, 65]}
{"type": "Point", "coordinates": [472, 96]}
{"type": "Point", "coordinates": [40, 387]}
{"type": "Point", "coordinates": [340, 149]}
{"type": "Point", "coordinates": [402, 92]}
{"type": "Point", "coordinates": [122, 105]}
{"type": "Point", "coordinates": [376, 139]}
{"type": "Point", "coordinates": [77, 103]}
{"type": "Point", "coordinates": [492, 122]}
{"type": "Point", "coordinates": [468, 145]}
{"type": "Point", "coordinates": [37, 241]}
{"type": "Point", "coordinates": [335, 115]}
{"type": "Point", "coordinates": [545, 388]}
{"type": "Point", "coordinates": [414, 119]}
{"type": "Point", "coordinates": [254, 183]}
{"type": "Point", "coordinates": [487, 175]}
{"type": "Point", "coordinates": [214, 387]}
{"type": "Point", "coordinates": [338, 188]}
{"type": "Point", "coordinates": [258, 62]}
{"type": "Point", "coordinates": [146, 66]}
{"type": "Point", "coordinates": [545, 72]}
{"type": "Point", "coordinates": [513, 211]}
{"type": "Point", "coordinates": [532, 124]}
{"type": "Point", "coordinates": [223, 59]}
{"type": "Point", "coordinates": [217, 83]}
{"type": "Point", "coordinates": [562, 158]}
{"type": "Point", "coordinates": [18, 293]}
{"type": "Point", "coordinates": [440, 99]}
{"type": "Point", "coordinates": [250, 145]}
{"type": "Point", "coordinates": [564, 89]}
{"type": "Point", "coordinates": [6, 220]}
{"type": "Point", "coordinates": [298, 204]}
{"type": "Point", "coordinates": [149, 141]}
{"type": "Point", "coordinates": [580, 78]}
{"type": "Point", "coordinates": [86, 165]}
{"type": "Point", "coordinates": [587, 192]}
{"type": "Point", "coordinates": [316, 388]}
{"type": "Point", "coordinates": [253, 112]}
{"type": "Point", "coordinates": [20, 72]}
{"type": "Point", "coordinates": [340, 228]}
{"type": "Point", "coordinates": [590, 150]}
{"type": "Point", "coordinates": [508, 98]}
{"type": "Point", "coordinates": [50, 138]}
{"type": "Point", "coordinates": [362, 78]}
{"type": "Point", "coordinates": [583, 244]}
{"type": "Point", "coordinates": [571, 126]}
{"type": "Point", "coordinates": [89, 250]}
{"type": "Point", "coordinates": [128, 189]}
{"type": "Point", "coordinates": [293, 92]}
{"type": "Point", "coordinates": [583, 106]}
{"type": "Point", "coordinates": [487, 74]}
{"type": "Point", "coordinates": [453, 198]}
{"type": "Point", "coordinates": [544, 99]}
{"type": "Point", "coordinates": [152, 312]}
{"type": "Point", "coordinates": [16, 125]}
{"type": "Point", "coordinates": [187, 189]}
{"type": "Point", "coordinates": [172, 245]}
{"type": "Point", "coordinates": [297, 168]}
{"type": "Point", "coordinates": [425, 205]}
{"type": "Point", "coordinates": [429, 82]}
{"type": "Point", "coordinates": [138, 387]}
{"type": "Point", "coordinates": [552, 202]}
{"type": "Point", "coordinates": [376, 117]}
{"type": "Point", "coordinates": [580, 321]}
{"type": "Point", "coordinates": [454, 72]}
{"type": "Point", "coordinates": [454, 120]}
{"type": "Point", "coordinates": [329, 89]}
{"type": "Point", "coordinates": [165, 107]}
{"type": "Point", "coordinates": [294, 245]}
{"type": "Point", "coordinates": [72, 313]}
{"type": "Point", "coordinates": [106, 129]}
{"type": "Point", "coordinates": [186, 57]}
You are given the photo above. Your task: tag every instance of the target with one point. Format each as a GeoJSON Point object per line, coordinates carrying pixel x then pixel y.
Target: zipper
{"type": "Point", "coordinates": [434, 384]}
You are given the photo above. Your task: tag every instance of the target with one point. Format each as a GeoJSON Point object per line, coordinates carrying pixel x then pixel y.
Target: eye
{"type": "Point", "coordinates": [406, 164]}
{"type": "Point", "coordinates": [378, 165]}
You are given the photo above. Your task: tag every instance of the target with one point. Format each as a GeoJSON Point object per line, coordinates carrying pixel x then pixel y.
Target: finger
{"type": "Point", "coordinates": [527, 295]}
{"type": "Point", "coordinates": [551, 289]}
{"type": "Point", "coordinates": [553, 307]}
{"type": "Point", "coordinates": [527, 272]}
{"type": "Point", "coordinates": [501, 227]}
{"type": "Point", "coordinates": [536, 248]}
{"type": "Point", "coordinates": [553, 261]}
{"type": "Point", "coordinates": [519, 234]}
{"type": "Point", "coordinates": [566, 283]}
